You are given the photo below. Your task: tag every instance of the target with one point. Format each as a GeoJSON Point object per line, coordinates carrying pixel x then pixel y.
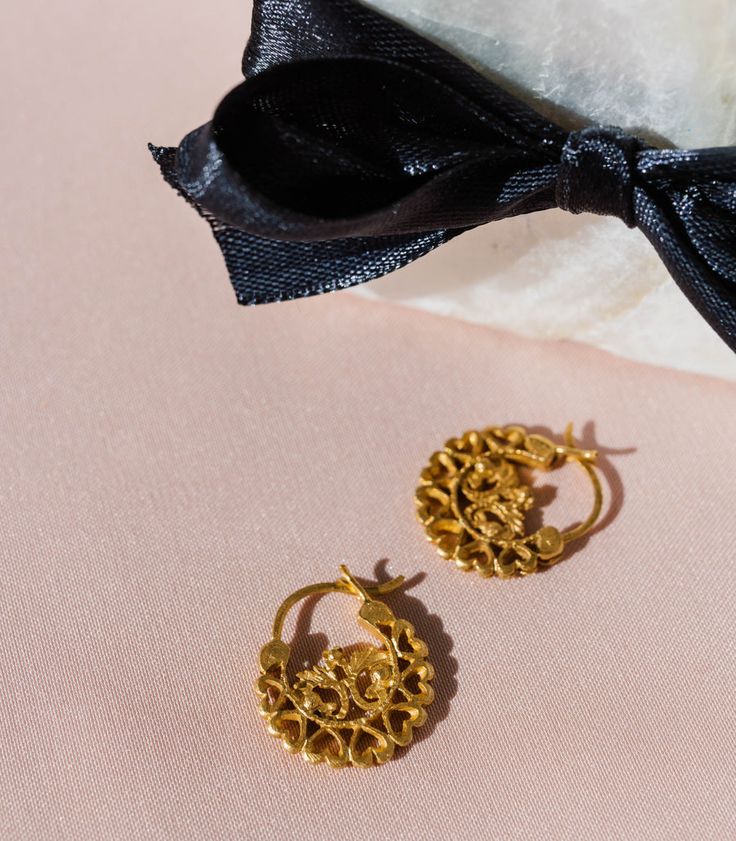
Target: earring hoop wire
{"type": "Point", "coordinates": [586, 459]}
{"type": "Point", "coordinates": [346, 584]}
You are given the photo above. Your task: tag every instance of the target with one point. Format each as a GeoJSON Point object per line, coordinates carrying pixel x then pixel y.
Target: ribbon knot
{"type": "Point", "coordinates": [596, 173]}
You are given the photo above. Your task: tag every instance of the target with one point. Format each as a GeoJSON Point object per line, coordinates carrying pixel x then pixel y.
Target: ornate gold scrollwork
{"type": "Point", "coordinates": [472, 503]}
{"type": "Point", "coordinates": [351, 708]}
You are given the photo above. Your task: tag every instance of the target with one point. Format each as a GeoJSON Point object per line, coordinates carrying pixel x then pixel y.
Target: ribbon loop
{"type": "Point", "coordinates": [596, 173]}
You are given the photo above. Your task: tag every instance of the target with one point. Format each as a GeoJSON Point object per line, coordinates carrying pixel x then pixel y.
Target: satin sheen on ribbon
{"type": "Point", "coordinates": [355, 146]}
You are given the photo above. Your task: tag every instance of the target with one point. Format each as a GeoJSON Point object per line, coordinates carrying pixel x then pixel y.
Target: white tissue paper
{"type": "Point", "coordinates": [661, 68]}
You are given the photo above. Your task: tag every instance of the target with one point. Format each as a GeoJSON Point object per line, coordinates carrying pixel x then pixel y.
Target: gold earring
{"type": "Point", "coordinates": [352, 708]}
{"type": "Point", "coordinates": [472, 504]}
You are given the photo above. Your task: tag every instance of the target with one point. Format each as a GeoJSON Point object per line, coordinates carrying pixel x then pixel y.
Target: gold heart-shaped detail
{"type": "Point", "coordinates": [326, 745]}
{"type": "Point", "coordinates": [272, 693]}
{"type": "Point", "coordinates": [291, 727]}
{"type": "Point", "coordinates": [368, 745]}
{"type": "Point", "coordinates": [407, 645]}
{"type": "Point", "coordinates": [517, 556]}
{"type": "Point", "coordinates": [415, 683]}
{"type": "Point", "coordinates": [410, 716]}
{"type": "Point", "coordinates": [475, 555]}
{"type": "Point", "coordinates": [471, 443]}
{"type": "Point", "coordinates": [441, 469]}
{"type": "Point", "coordinates": [446, 535]}
{"type": "Point", "coordinates": [431, 502]}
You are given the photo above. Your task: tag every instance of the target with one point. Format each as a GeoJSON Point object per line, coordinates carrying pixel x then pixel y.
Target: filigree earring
{"type": "Point", "coordinates": [353, 708]}
{"type": "Point", "coordinates": [472, 503]}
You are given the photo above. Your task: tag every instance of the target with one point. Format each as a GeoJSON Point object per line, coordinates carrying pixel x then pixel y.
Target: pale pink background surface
{"type": "Point", "coordinates": [173, 465]}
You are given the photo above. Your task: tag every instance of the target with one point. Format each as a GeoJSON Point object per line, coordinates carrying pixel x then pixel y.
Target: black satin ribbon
{"type": "Point", "coordinates": [355, 146]}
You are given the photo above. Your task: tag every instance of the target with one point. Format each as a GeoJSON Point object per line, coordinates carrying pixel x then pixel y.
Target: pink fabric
{"type": "Point", "coordinates": [173, 466]}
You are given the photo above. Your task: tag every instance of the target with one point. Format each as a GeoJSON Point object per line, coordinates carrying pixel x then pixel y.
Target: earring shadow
{"type": "Point", "coordinates": [307, 647]}
{"type": "Point", "coordinates": [430, 628]}
{"type": "Point", "coordinates": [543, 496]}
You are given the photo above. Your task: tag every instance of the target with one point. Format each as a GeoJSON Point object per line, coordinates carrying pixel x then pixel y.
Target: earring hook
{"type": "Point", "coordinates": [347, 583]}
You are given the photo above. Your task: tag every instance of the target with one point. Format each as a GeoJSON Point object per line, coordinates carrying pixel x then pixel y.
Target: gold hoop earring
{"type": "Point", "coordinates": [352, 708]}
{"type": "Point", "coordinates": [472, 503]}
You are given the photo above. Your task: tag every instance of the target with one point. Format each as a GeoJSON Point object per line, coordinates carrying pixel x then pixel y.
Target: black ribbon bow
{"type": "Point", "coordinates": [355, 146]}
